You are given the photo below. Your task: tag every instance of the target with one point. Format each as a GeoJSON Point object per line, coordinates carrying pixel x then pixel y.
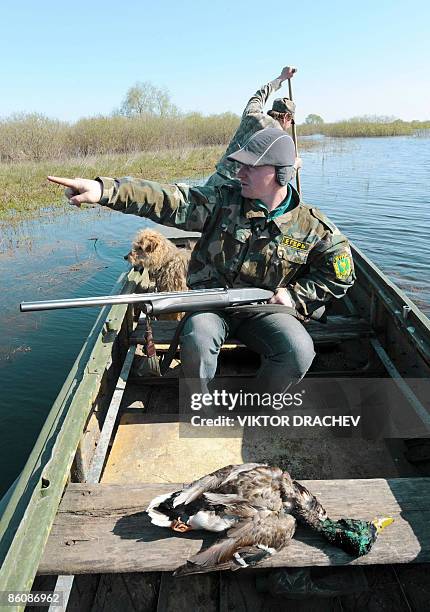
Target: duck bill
{"type": "Point", "coordinates": [381, 523]}
{"type": "Point", "coordinates": [179, 526]}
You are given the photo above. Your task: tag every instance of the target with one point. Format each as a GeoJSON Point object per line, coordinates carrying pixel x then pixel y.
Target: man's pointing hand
{"type": "Point", "coordinates": [79, 191]}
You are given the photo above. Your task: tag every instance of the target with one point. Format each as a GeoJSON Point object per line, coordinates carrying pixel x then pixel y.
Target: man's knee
{"type": "Point", "coordinates": [296, 351]}
{"type": "Point", "coordinates": [303, 353]}
{"type": "Point", "coordinates": [201, 339]}
{"type": "Point", "coordinates": [202, 332]}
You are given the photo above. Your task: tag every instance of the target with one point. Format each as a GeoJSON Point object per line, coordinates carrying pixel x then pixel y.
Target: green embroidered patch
{"type": "Point", "coordinates": [342, 265]}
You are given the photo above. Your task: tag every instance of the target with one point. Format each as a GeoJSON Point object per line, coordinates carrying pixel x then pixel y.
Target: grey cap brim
{"type": "Point", "coordinates": [267, 147]}
{"type": "Point", "coordinates": [244, 157]}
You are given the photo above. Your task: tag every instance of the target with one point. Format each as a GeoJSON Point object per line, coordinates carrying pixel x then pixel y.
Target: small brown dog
{"type": "Point", "coordinates": [166, 265]}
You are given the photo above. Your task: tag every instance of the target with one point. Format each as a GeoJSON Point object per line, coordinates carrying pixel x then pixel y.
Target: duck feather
{"type": "Point", "coordinates": [224, 499]}
{"type": "Point", "coordinates": [251, 540]}
{"type": "Point", "coordinates": [211, 482]}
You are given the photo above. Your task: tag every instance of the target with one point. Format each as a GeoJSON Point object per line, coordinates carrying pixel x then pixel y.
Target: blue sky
{"type": "Point", "coordinates": [75, 59]}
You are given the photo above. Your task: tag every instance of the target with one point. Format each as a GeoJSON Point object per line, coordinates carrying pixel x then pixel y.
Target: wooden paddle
{"type": "Point", "coordinates": [293, 128]}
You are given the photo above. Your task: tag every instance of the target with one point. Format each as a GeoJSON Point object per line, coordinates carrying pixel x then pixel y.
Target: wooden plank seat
{"type": "Point", "coordinates": [103, 528]}
{"type": "Point", "coordinates": [337, 329]}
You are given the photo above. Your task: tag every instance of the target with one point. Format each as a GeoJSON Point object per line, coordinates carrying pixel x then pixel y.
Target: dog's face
{"type": "Point", "coordinates": [149, 250]}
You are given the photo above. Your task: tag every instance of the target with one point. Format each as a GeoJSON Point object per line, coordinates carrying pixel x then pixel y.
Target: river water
{"type": "Point", "coordinates": [374, 189]}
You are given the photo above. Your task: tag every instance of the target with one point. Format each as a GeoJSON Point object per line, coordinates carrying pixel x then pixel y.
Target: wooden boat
{"type": "Point", "coordinates": [75, 516]}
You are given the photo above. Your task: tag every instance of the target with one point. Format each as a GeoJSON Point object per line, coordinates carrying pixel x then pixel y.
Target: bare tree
{"type": "Point", "coordinates": [144, 98]}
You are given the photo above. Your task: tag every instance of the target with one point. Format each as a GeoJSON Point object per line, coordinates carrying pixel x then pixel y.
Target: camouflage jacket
{"type": "Point", "coordinates": [253, 120]}
{"type": "Point", "coordinates": [300, 250]}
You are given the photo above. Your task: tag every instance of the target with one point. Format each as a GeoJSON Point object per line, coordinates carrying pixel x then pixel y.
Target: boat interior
{"type": "Point", "coordinates": [102, 548]}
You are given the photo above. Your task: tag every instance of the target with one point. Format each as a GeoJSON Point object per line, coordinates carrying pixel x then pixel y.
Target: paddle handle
{"type": "Point", "coordinates": [294, 133]}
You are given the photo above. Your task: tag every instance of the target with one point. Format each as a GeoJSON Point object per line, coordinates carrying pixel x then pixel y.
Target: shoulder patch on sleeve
{"type": "Point", "coordinates": [324, 220]}
{"type": "Point", "coordinates": [342, 265]}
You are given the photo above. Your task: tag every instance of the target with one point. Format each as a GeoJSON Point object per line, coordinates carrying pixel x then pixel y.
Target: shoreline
{"type": "Point", "coordinates": [26, 191]}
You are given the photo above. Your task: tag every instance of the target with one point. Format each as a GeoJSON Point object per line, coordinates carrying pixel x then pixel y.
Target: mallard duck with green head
{"type": "Point", "coordinates": [256, 507]}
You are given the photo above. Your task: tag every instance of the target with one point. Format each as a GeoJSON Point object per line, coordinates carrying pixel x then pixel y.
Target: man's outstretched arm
{"type": "Point", "coordinates": [258, 100]}
{"type": "Point", "coordinates": [174, 205]}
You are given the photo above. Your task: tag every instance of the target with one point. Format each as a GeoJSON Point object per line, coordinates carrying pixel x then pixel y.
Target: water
{"type": "Point", "coordinates": [58, 256]}
{"type": "Point", "coordinates": [374, 189]}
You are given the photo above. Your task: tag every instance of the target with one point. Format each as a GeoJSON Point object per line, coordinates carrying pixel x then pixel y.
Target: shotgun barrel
{"type": "Point", "coordinates": [163, 303]}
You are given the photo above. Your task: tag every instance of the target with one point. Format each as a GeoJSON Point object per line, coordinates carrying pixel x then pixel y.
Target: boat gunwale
{"type": "Point", "coordinates": [415, 325]}
{"type": "Point", "coordinates": [28, 508]}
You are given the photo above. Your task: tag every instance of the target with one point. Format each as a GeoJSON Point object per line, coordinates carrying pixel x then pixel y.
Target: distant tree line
{"type": "Point", "coordinates": [139, 125]}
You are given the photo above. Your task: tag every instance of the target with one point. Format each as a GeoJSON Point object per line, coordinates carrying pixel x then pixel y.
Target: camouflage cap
{"type": "Point", "coordinates": [268, 147]}
{"type": "Point", "coordinates": [284, 105]}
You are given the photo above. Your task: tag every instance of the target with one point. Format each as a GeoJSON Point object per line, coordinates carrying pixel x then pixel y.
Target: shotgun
{"type": "Point", "coordinates": [154, 304]}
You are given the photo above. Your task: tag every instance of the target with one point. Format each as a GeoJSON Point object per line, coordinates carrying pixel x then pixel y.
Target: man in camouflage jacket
{"type": "Point", "coordinates": [254, 233]}
{"type": "Point", "coordinates": [254, 119]}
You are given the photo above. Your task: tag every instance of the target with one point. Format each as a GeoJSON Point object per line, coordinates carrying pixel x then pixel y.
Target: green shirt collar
{"type": "Point", "coordinates": [281, 209]}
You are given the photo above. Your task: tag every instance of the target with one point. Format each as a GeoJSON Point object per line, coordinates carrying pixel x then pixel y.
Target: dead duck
{"type": "Point", "coordinates": [256, 505]}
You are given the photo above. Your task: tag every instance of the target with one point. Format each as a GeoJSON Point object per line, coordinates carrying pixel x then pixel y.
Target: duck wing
{"type": "Point", "coordinates": [199, 495]}
{"type": "Point", "coordinates": [246, 544]}
{"type": "Point", "coordinates": [212, 482]}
